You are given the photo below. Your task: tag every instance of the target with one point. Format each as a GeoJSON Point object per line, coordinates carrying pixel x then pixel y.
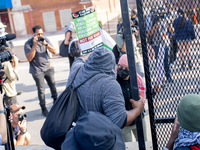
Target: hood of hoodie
{"type": "Point", "coordinates": [101, 61]}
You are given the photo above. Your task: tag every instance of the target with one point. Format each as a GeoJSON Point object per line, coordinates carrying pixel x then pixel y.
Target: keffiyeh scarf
{"type": "Point", "coordinates": [186, 138]}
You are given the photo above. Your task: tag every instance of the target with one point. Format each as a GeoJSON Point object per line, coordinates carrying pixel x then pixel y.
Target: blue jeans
{"type": "Point", "coordinates": [166, 62]}
{"type": "Point", "coordinates": [39, 80]}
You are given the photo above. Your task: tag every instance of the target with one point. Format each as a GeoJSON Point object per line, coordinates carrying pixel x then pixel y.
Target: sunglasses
{"type": "Point", "coordinates": [39, 33]}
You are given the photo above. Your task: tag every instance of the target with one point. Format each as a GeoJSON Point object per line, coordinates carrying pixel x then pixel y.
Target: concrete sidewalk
{"type": "Point", "coordinates": [129, 146]}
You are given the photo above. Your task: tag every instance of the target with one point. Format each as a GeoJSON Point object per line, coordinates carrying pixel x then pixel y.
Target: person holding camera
{"type": "Point", "coordinates": [160, 43]}
{"type": "Point", "coordinates": [20, 134]}
{"type": "Point", "coordinates": [10, 75]}
{"type": "Point", "coordinates": [40, 67]}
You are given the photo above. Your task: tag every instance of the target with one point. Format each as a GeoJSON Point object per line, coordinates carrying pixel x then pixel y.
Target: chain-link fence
{"type": "Point", "coordinates": [171, 59]}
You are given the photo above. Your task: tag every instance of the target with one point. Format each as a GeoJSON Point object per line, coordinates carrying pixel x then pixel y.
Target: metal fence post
{"type": "Point", "coordinates": [132, 70]}
{"type": "Point", "coordinates": [147, 72]}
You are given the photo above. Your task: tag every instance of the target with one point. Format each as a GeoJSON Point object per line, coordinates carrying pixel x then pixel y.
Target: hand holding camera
{"type": "Point", "coordinates": [14, 60]}
{"type": "Point", "coordinates": [22, 126]}
{"type": "Point", "coordinates": [42, 41]}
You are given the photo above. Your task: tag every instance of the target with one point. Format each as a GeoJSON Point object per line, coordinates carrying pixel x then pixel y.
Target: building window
{"type": "Point", "coordinates": [49, 21]}
{"type": "Point", "coordinates": [65, 17]}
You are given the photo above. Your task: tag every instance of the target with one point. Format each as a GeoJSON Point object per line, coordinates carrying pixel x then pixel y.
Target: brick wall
{"type": "Point", "coordinates": [46, 6]}
{"type": "Point", "coordinates": [108, 11]}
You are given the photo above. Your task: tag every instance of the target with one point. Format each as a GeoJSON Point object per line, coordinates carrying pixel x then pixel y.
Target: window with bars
{"type": "Point", "coordinates": [65, 17]}
{"type": "Point", "coordinates": [49, 21]}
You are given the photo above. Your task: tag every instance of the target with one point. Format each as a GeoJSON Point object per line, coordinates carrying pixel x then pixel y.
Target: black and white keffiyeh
{"type": "Point", "coordinates": [186, 138]}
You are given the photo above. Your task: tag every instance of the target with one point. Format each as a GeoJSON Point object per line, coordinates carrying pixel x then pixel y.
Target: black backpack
{"type": "Point", "coordinates": [63, 50]}
{"type": "Point", "coordinates": [61, 117]}
{"type": "Point", "coordinates": [74, 49]}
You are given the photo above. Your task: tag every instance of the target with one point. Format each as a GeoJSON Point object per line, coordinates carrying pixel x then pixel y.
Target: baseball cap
{"type": "Point", "coordinates": [15, 107]}
{"type": "Point", "coordinates": [94, 131]}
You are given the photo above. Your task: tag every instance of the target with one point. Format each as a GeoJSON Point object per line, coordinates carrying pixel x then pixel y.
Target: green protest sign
{"type": "Point", "coordinates": [87, 28]}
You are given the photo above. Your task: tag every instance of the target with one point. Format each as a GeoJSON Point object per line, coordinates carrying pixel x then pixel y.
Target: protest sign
{"type": "Point", "coordinates": [88, 30]}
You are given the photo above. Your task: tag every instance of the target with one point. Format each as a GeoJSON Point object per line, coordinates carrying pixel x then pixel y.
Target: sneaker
{"type": "Point", "coordinates": [45, 112]}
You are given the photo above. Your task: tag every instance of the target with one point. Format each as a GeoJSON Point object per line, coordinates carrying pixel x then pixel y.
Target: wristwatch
{"type": "Point", "coordinates": [21, 132]}
{"type": "Point", "coordinates": [46, 44]}
{"type": "Point", "coordinates": [3, 111]}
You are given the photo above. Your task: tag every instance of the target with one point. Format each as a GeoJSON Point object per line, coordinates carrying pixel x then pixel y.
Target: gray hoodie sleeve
{"type": "Point", "coordinates": [113, 103]}
{"type": "Point", "coordinates": [75, 66]}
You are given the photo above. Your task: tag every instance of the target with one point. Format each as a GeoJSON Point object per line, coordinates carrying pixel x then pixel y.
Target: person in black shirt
{"type": "Point", "coordinates": [134, 19]}
{"type": "Point", "coordinates": [123, 79]}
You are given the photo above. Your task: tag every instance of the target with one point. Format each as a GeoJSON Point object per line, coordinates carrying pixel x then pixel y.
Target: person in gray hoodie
{"type": "Point", "coordinates": [101, 92]}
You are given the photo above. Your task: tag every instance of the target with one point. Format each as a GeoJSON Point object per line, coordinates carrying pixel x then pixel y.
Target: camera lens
{"type": "Point", "coordinates": [22, 116]}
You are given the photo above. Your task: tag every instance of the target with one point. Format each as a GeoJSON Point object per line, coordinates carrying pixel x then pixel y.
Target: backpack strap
{"type": "Point", "coordinates": [75, 76]}
{"type": "Point", "coordinates": [84, 82]}
{"type": "Point", "coordinates": [81, 83]}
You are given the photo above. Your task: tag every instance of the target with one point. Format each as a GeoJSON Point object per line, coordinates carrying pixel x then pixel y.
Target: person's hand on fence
{"type": "Point", "coordinates": [175, 129]}
{"type": "Point", "coordinates": [139, 105]}
{"type": "Point", "coordinates": [174, 134]}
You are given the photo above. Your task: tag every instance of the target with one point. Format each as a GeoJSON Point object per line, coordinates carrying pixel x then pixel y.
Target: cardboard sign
{"type": "Point", "coordinates": [88, 30]}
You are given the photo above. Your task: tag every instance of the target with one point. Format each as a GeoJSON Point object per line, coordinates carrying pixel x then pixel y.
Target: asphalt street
{"type": "Point", "coordinates": [29, 96]}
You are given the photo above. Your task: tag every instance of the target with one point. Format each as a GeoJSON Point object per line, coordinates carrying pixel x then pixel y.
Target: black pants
{"type": "Point", "coordinates": [39, 80]}
{"type": "Point", "coordinates": [71, 60]}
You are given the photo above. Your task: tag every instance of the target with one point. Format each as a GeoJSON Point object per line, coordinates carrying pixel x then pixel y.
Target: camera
{"type": "Point", "coordinates": [41, 39]}
{"type": "Point", "coordinates": [5, 56]}
{"type": "Point", "coordinates": [134, 28]}
{"type": "Point", "coordinates": [22, 116]}
{"type": "Point", "coordinates": [158, 15]}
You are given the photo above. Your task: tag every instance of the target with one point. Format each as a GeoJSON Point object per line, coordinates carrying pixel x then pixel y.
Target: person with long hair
{"type": "Point", "coordinates": [184, 33]}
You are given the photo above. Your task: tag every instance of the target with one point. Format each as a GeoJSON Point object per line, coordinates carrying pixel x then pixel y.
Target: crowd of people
{"type": "Point", "coordinates": [168, 33]}
{"type": "Point", "coordinates": [113, 105]}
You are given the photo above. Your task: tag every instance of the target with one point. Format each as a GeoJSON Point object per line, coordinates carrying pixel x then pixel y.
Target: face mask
{"type": "Point", "coordinates": [2, 30]}
{"type": "Point", "coordinates": [123, 73]}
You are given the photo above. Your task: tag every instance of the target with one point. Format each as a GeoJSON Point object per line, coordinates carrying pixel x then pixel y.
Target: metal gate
{"type": "Point", "coordinates": [170, 45]}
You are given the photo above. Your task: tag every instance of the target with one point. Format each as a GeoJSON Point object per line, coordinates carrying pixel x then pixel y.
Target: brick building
{"type": "Point", "coordinates": [54, 15]}
{"type": "Point", "coordinates": [5, 6]}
